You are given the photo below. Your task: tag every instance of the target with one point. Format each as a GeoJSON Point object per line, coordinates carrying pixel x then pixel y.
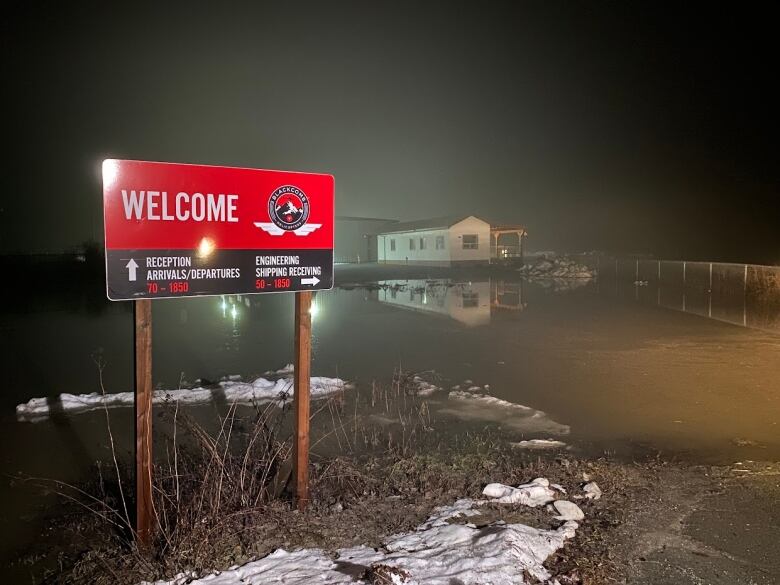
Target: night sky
{"type": "Point", "coordinates": [630, 128]}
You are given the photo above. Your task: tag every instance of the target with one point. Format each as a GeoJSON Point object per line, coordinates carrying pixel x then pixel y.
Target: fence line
{"type": "Point", "coordinates": [742, 294]}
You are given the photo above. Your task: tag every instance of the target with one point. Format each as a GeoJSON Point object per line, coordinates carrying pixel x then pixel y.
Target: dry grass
{"type": "Point", "coordinates": [220, 498]}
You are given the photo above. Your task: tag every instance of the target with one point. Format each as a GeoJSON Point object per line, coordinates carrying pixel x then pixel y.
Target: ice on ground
{"type": "Point", "coordinates": [438, 552]}
{"type": "Point", "coordinates": [535, 493]}
{"type": "Point", "coordinates": [568, 510]}
{"type": "Point", "coordinates": [261, 390]}
{"type": "Point", "coordinates": [511, 415]}
{"type": "Point", "coordinates": [539, 444]}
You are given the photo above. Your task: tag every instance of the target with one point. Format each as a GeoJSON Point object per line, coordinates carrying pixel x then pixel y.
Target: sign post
{"type": "Point", "coordinates": [177, 230]}
{"type": "Point", "coordinates": [142, 310]}
{"type": "Point", "coordinates": [301, 396]}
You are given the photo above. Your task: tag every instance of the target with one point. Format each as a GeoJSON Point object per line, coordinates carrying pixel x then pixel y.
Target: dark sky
{"type": "Point", "coordinates": [647, 128]}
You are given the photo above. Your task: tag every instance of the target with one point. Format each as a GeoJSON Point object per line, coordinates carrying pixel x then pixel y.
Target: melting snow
{"type": "Point", "coordinates": [423, 387]}
{"type": "Point", "coordinates": [539, 444]}
{"type": "Point", "coordinates": [231, 390]}
{"type": "Point", "coordinates": [535, 493]}
{"type": "Point", "coordinates": [568, 510]}
{"type": "Point", "coordinates": [439, 552]}
{"type": "Point", "coordinates": [592, 491]}
{"type": "Point", "coordinates": [473, 405]}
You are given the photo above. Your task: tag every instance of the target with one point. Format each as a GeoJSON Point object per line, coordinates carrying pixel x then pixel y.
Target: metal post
{"type": "Point", "coordinates": [616, 277]}
{"type": "Point", "coordinates": [636, 281]}
{"type": "Point", "coordinates": [301, 396]}
{"type": "Point", "coordinates": [709, 299]}
{"type": "Point", "coordinates": [142, 310]}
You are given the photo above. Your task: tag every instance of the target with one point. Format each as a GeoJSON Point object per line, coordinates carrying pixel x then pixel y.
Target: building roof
{"type": "Point", "coordinates": [499, 229]}
{"type": "Point", "coordinates": [438, 223]}
{"type": "Point", "coordinates": [355, 218]}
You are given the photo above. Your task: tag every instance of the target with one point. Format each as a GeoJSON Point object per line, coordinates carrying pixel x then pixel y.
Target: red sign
{"type": "Point", "coordinates": [189, 230]}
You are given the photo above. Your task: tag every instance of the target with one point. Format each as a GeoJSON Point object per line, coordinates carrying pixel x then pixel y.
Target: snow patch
{"type": "Point", "coordinates": [422, 387]}
{"type": "Point", "coordinates": [568, 510]}
{"type": "Point", "coordinates": [231, 390]}
{"type": "Point", "coordinates": [539, 444]}
{"type": "Point", "coordinates": [287, 369]}
{"type": "Point", "coordinates": [438, 552]}
{"type": "Point", "coordinates": [532, 494]}
{"type": "Point", "coordinates": [485, 398]}
{"type": "Point", "coordinates": [518, 417]}
{"type": "Point", "coordinates": [592, 491]}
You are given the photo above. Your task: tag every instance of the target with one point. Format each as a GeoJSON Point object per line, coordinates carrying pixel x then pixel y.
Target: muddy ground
{"type": "Point", "coordinates": [657, 522]}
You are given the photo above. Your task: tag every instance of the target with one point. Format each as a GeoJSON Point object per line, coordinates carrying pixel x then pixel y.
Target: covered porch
{"type": "Point", "coordinates": [506, 243]}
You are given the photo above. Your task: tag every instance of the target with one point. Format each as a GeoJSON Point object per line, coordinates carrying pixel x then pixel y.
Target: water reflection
{"type": "Point", "coordinates": [466, 302]}
{"type": "Point", "coordinates": [470, 303]}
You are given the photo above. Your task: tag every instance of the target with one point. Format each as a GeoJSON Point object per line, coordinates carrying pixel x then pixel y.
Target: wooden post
{"type": "Point", "coordinates": [142, 310]}
{"type": "Point", "coordinates": [520, 238]}
{"type": "Point", "coordinates": [301, 396]}
{"type": "Point", "coordinates": [744, 298]}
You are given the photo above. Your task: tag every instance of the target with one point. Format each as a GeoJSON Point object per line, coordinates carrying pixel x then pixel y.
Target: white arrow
{"type": "Point", "coordinates": [131, 266]}
{"type": "Point", "coordinates": [312, 281]}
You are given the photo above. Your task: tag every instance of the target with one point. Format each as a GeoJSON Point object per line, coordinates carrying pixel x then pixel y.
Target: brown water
{"type": "Point", "coordinates": [623, 374]}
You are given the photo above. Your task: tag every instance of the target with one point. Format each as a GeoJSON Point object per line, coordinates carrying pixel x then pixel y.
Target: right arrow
{"type": "Point", "coordinates": [131, 266]}
{"type": "Point", "coordinates": [312, 281]}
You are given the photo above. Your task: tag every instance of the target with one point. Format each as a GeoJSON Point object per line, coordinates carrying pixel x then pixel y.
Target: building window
{"type": "Point", "coordinates": [411, 243]}
{"type": "Point", "coordinates": [471, 242]}
{"type": "Point", "coordinates": [439, 242]}
{"type": "Point", "coordinates": [392, 244]}
{"type": "Point", "coordinates": [422, 243]}
{"type": "Point", "coordinates": [470, 300]}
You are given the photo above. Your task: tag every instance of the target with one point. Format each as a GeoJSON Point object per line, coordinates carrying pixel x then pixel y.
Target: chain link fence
{"type": "Point", "coordinates": [742, 294]}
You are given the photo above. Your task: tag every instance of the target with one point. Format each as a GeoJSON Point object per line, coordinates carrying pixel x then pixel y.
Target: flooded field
{"type": "Point", "coordinates": [604, 370]}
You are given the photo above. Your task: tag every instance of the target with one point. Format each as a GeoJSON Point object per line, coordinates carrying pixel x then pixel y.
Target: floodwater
{"type": "Point", "coordinates": [624, 375]}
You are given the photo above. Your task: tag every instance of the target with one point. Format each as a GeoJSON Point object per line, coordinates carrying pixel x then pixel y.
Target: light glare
{"type": "Point", "coordinates": [206, 248]}
{"type": "Point", "coordinates": [110, 173]}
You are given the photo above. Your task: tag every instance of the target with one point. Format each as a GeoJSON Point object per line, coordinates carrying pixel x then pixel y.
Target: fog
{"type": "Point", "coordinates": [630, 129]}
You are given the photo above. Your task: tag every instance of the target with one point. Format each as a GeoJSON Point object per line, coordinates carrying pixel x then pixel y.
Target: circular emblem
{"type": "Point", "coordinates": [288, 207]}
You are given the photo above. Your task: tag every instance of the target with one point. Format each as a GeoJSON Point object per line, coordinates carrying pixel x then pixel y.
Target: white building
{"type": "Point", "coordinates": [439, 242]}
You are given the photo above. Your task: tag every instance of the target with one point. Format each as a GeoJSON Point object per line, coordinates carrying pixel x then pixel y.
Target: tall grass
{"type": "Point", "coordinates": [218, 493]}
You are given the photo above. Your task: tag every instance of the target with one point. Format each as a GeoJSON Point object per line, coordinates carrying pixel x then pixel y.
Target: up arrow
{"type": "Point", "coordinates": [312, 281]}
{"type": "Point", "coordinates": [131, 266]}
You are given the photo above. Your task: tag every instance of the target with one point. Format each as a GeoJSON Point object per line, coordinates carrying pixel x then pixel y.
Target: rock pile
{"type": "Point", "coordinates": [557, 267]}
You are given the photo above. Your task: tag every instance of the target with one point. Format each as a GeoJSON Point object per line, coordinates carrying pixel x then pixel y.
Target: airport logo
{"type": "Point", "coordinates": [288, 210]}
